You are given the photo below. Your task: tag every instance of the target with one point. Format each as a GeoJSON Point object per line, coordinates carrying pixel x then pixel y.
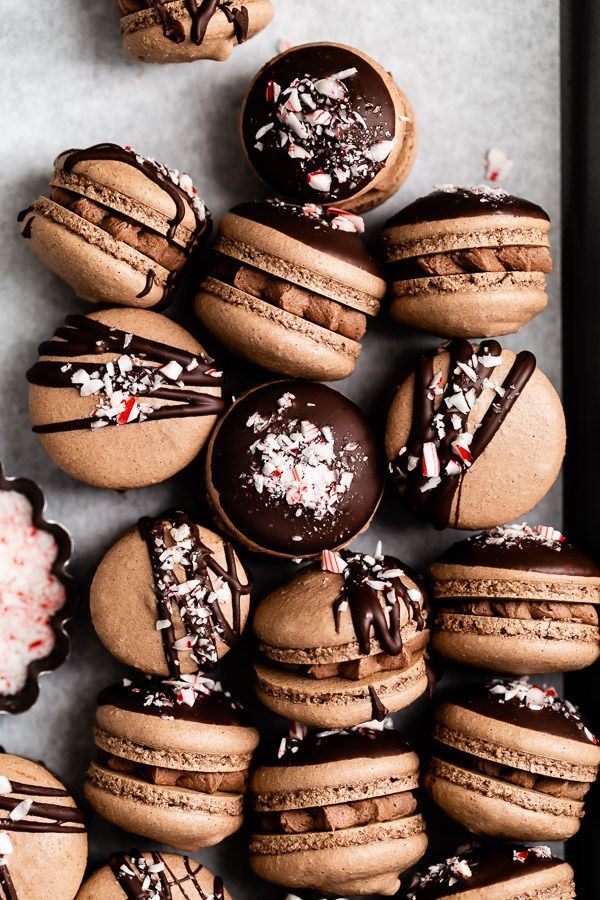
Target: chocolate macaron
{"type": "Point", "coordinates": [517, 599]}
{"type": "Point", "coordinates": [40, 829]}
{"type": "Point", "coordinates": [170, 596]}
{"type": "Point", "coordinates": [325, 123]}
{"type": "Point", "coordinates": [294, 468]}
{"type": "Point", "coordinates": [138, 875]}
{"type": "Point", "coordinates": [173, 761]}
{"type": "Point", "coordinates": [475, 435]}
{"type": "Point", "coordinates": [512, 760]}
{"type": "Point", "coordinates": [496, 872]}
{"type": "Point", "coordinates": [117, 227]}
{"type": "Point", "coordinates": [167, 31]}
{"type": "Point", "coordinates": [468, 262]}
{"type": "Point", "coordinates": [336, 812]}
{"type": "Point", "coordinates": [291, 288]}
{"type": "Point", "coordinates": [343, 642]}
{"type": "Point", "coordinates": [123, 398]}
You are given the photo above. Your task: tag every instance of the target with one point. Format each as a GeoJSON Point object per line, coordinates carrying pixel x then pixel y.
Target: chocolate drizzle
{"type": "Point", "coordinates": [379, 710]}
{"type": "Point", "coordinates": [84, 336]}
{"type": "Point", "coordinates": [200, 14]}
{"type": "Point", "coordinates": [132, 872]}
{"type": "Point", "coordinates": [6, 883]}
{"type": "Point", "coordinates": [56, 819]}
{"type": "Point", "coordinates": [149, 284]}
{"type": "Point", "coordinates": [26, 233]}
{"type": "Point", "coordinates": [199, 609]}
{"type": "Point", "coordinates": [469, 374]}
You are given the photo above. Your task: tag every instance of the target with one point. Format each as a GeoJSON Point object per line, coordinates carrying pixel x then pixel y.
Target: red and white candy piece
{"type": "Point", "coordinates": [319, 181]}
{"type": "Point", "coordinates": [430, 461]}
{"type": "Point", "coordinates": [332, 562]}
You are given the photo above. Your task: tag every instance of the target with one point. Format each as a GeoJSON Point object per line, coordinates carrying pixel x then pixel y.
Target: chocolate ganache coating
{"type": "Point", "coordinates": [318, 748]}
{"type": "Point", "coordinates": [475, 868]}
{"type": "Point", "coordinates": [350, 112]}
{"type": "Point", "coordinates": [173, 699]}
{"type": "Point", "coordinates": [458, 202]}
{"type": "Point", "coordinates": [297, 467]}
{"type": "Point", "coordinates": [526, 706]}
{"type": "Point", "coordinates": [522, 548]}
{"type": "Point", "coordinates": [311, 226]}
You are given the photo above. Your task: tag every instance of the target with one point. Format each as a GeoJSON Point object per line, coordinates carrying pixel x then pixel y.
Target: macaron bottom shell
{"type": "Point", "coordinates": [338, 702]}
{"type": "Point", "coordinates": [184, 819]}
{"type": "Point", "coordinates": [358, 861]}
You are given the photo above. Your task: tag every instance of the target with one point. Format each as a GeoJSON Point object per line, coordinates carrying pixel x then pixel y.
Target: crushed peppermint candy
{"type": "Point", "coordinates": [520, 534]}
{"type": "Point", "coordinates": [163, 696]}
{"type": "Point", "coordinates": [291, 744]}
{"type": "Point", "coordinates": [536, 698]}
{"type": "Point", "coordinates": [30, 593]}
{"type": "Point", "coordinates": [498, 165]}
{"type": "Point", "coordinates": [179, 179]}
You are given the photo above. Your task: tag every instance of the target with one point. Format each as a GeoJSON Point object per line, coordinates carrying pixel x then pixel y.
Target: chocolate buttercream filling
{"type": "Point", "coordinates": [554, 787]}
{"type": "Point", "coordinates": [363, 667]}
{"type": "Point", "coordinates": [338, 816]}
{"type": "Point", "coordinates": [478, 259]}
{"type": "Point", "coordinates": [537, 610]}
{"type": "Point", "coordinates": [205, 782]}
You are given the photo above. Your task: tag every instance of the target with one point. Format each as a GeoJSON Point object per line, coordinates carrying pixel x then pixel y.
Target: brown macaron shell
{"type": "Point", "coordinates": [125, 577]}
{"type": "Point", "coordinates": [468, 300]}
{"type": "Point", "coordinates": [306, 251]}
{"type": "Point", "coordinates": [100, 267]}
{"type": "Point", "coordinates": [209, 740]}
{"type": "Point", "coordinates": [133, 455]}
{"type": "Point", "coordinates": [520, 574]}
{"type": "Point", "coordinates": [519, 464]}
{"type": "Point", "coordinates": [377, 98]}
{"type": "Point", "coordinates": [359, 859]}
{"type": "Point", "coordinates": [488, 804]}
{"type": "Point", "coordinates": [268, 524]}
{"type": "Point", "coordinates": [150, 38]}
{"type": "Point", "coordinates": [31, 866]}
{"type": "Point", "coordinates": [297, 626]}
{"type": "Point", "coordinates": [186, 878]}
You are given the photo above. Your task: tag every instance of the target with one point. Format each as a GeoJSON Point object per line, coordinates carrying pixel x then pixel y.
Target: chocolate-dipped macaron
{"type": "Point", "coordinates": [173, 761]}
{"type": "Point", "coordinates": [157, 876]}
{"type": "Point", "coordinates": [170, 596]}
{"type": "Point", "coordinates": [40, 829]}
{"type": "Point", "coordinates": [325, 123]}
{"type": "Point", "coordinates": [343, 642]}
{"type": "Point", "coordinates": [475, 435]}
{"type": "Point", "coordinates": [517, 599]}
{"type": "Point", "coordinates": [291, 288]}
{"type": "Point", "coordinates": [468, 262]}
{"type": "Point", "coordinates": [123, 398]}
{"type": "Point", "coordinates": [496, 872]}
{"type": "Point", "coordinates": [336, 812]}
{"type": "Point", "coordinates": [117, 227]}
{"type": "Point", "coordinates": [512, 760]}
{"type": "Point", "coordinates": [167, 31]}
{"type": "Point", "coordinates": [294, 468]}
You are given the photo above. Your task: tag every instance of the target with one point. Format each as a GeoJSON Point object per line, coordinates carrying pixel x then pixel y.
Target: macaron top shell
{"type": "Point", "coordinates": [459, 202]}
{"type": "Point", "coordinates": [155, 875]}
{"type": "Point", "coordinates": [474, 871]}
{"type": "Point", "coordinates": [348, 128]}
{"type": "Point", "coordinates": [295, 468]}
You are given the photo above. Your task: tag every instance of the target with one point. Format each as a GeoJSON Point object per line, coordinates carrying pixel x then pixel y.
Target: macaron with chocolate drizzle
{"type": "Point", "coordinates": [517, 599]}
{"type": "Point", "coordinates": [343, 642]}
{"type": "Point", "coordinates": [40, 826]}
{"type": "Point", "coordinates": [170, 597]}
{"type": "Point", "coordinates": [137, 875]}
{"type": "Point", "coordinates": [173, 760]}
{"type": "Point", "coordinates": [475, 435]}
{"type": "Point", "coordinates": [123, 398]}
{"type": "Point", "coordinates": [291, 287]}
{"type": "Point", "coordinates": [336, 812]}
{"type": "Point", "coordinates": [512, 760]}
{"type": "Point", "coordinates": [294, 468]}
{"type": "Point", "coordinates": [496, 872]}
{"type": "Point", "coordinates": [325, 123]}
{"type": "Point", "coordinates": [468, 262]}
{"type": "Point", "coordinates": [118, 227]}
{"type": "Point", "coordinates": [173, 31]}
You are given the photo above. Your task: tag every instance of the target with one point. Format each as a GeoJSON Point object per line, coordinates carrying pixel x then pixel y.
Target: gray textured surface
{"type": "Point", "coordinates": [478, 74]}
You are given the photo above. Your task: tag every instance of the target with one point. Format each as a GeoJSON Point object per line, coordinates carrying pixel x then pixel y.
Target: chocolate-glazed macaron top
{"type": "Point", "coordinates": [526, 706]}
{"type": "Point", "coordinates": [332, 231]}
{"type": "Point", "coordinates": [320, 747]}
{"type": "Point", "coordinates": [457, 202]}
{"type": "Point", "coordinates": [191, 698]}
{"type": "Point", "coordinates": [538, 548]}
{"type": "Point", "coordinates": [318, 123]}
{"type": "Point", "coordinates": [474, 868]}
{"type": "Point", "coordinates": [297, 467]}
